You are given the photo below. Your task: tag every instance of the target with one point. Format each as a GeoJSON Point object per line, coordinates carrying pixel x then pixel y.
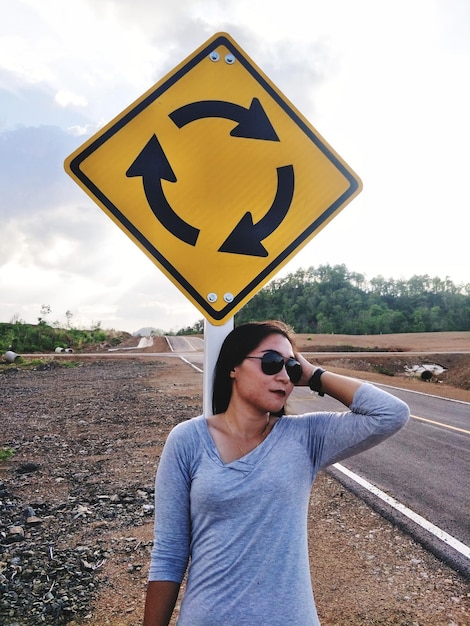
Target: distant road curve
{"type": "Point", "coordinates": [185, 343]}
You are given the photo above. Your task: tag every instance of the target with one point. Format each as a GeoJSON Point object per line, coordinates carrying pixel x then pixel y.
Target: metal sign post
{"type": "Point", "coordinates": [213, 339]}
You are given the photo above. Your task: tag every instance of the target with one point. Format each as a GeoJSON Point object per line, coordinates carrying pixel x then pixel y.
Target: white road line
{"type": "Point", "coordinates": [191, 364]}
{"type": "Point", "coordinates": [421, 521]}
{"type": "Point", "coordinates": [188, 343]}
{"type": "Point", "coordinates": [418, 393]}
{"type": "Point", "coordinates": [425, 419]}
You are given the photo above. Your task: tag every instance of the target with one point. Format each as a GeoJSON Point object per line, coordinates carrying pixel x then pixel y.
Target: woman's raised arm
{"type": "Point", "coordinates": [341, 388]}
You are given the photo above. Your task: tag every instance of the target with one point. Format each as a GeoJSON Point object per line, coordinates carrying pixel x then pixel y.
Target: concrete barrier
{"type": "Point", "coordinates": [10, 356]}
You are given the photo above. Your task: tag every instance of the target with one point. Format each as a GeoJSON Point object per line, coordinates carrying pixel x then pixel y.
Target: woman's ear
{"type": "Point", "coordinates": [232, 373]}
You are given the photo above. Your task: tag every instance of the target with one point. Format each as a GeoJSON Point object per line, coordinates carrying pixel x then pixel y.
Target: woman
{"type": "Point", "coordinates": [232, 489]}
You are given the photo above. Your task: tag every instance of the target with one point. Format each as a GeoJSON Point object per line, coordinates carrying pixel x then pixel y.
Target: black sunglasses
{"type": "Point", "coordinates": [273, 362]}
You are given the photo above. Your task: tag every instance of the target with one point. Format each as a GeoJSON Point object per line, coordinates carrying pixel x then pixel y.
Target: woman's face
{"type": "Point", "coordinates": [262, 391]}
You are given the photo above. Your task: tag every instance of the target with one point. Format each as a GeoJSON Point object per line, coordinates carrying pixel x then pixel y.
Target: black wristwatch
{"type": "Point", "coordinates": [315, 381]}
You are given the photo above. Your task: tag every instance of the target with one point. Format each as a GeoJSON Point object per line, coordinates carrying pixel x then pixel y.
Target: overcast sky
{"type": "Point", "coordinates": [385, 82]}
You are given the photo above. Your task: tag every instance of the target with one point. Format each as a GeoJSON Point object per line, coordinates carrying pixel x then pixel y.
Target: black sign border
{"type": "Point", "coordinates": [187, 66]}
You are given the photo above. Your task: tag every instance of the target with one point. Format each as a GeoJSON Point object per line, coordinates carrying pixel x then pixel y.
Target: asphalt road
{"type": "Point", "coordinates": [426, 465]}
{"type": "Point", "coordinates": [183, 343]}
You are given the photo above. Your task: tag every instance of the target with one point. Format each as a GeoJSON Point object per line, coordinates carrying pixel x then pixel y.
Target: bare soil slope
{"type": "Point", "coordinates": [401, 342]}
{"type": "Point", "coordinates": [403, 352]}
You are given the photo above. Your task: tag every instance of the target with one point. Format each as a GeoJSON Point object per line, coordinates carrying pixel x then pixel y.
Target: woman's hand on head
{"type": "Point", "coordinates": [340, 387]}
{"type": "Point", "coordinates": [307, 369]}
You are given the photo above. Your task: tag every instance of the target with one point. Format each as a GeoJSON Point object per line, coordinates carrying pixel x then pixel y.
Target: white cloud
{"type": "Point", "coordinates": [87, 129]}
{"type": "Point", "coordinates": [66, 98]}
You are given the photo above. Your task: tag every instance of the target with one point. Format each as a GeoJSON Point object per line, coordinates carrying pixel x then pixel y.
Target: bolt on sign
{"type": "Point", "coordinates": [216, 176]}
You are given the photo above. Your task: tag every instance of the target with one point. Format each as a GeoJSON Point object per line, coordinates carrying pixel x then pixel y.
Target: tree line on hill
{"type": "Point", "coordinates": [331, 299]}
{"type": "Point", "coordinates": [327, 299]}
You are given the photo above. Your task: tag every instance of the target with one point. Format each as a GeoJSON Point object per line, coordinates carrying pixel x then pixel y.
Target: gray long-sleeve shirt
{"type": "Point", "coordinates": [243, 525]}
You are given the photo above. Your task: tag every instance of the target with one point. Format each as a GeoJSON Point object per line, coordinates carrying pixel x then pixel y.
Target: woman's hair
{"type": "Point", "coordinates": [237, 345]}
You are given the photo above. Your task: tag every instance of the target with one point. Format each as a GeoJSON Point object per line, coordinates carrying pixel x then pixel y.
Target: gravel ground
{"type": "Point", "coordinates": [76, 508]}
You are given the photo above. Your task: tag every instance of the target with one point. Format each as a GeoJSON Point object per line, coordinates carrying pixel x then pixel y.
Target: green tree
{"type": "Point", "coordinates": [333, 299]}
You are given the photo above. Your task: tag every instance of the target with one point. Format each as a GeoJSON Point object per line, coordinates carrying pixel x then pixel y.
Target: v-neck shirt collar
{"type": "Point", "coordinates": [245, 463]}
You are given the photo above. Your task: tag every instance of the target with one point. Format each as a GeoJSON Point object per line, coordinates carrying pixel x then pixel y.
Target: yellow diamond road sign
{"type": "Point", "coordinates": [216, 176]}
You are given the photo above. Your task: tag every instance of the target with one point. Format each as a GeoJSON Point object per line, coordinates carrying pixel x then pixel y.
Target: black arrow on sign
{"type": "Point", "coordinates": [253, 123]}
{"type": "Point", "coordinates": [246, 237]}
{"type": "Point", "coordinates": [153, 166]}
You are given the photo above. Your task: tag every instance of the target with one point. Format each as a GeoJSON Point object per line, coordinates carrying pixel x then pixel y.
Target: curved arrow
{"type": "Point", "coordinates": [246, 237]}
{"type": "Point", "coordinates": [253, 123]}
{"type": "Point", "coordinates": [153, 166]}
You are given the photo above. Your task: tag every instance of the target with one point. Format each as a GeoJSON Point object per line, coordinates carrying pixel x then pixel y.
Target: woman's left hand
{"type": "Point", "coordinates": [307, 370]}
